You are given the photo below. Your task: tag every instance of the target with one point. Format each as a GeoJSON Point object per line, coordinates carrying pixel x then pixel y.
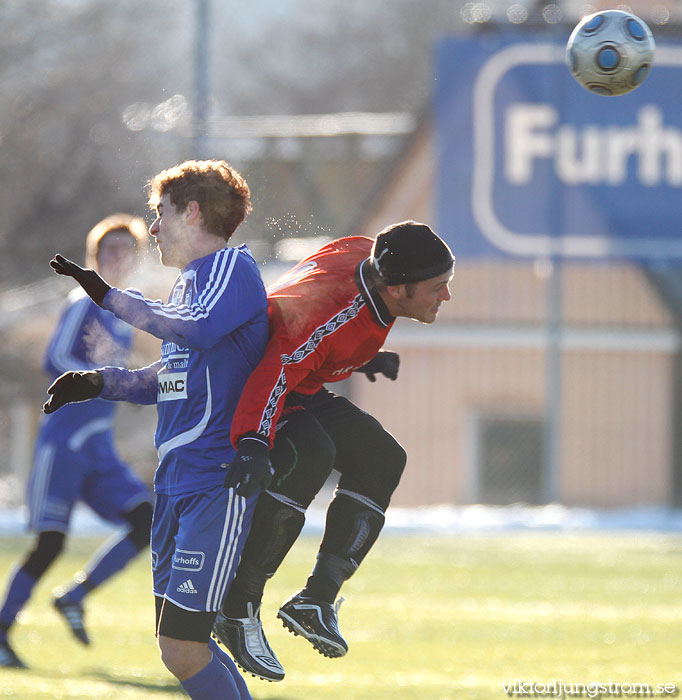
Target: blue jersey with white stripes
{"type": "Point", "coordinates": [214, 329]}
{"type": "Point", "coordinates": [86, 337]}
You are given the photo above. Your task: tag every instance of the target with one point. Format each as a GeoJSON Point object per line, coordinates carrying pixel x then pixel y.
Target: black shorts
{"type": "Point", "coordinates": [318, 433]}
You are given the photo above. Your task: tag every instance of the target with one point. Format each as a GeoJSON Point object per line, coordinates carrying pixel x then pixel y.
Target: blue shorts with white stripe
{"type": "Point", "coordinates": [66, 471]}
{"type": "Point", "coordinates": [197, 541]}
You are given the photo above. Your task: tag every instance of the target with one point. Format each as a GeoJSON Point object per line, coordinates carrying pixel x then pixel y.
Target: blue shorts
{"type": "Point", "coordinates": [197, 541]}
{"type": "Point", "coordinates": [94, 474]}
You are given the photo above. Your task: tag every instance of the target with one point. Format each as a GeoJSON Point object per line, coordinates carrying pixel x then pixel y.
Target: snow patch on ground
{"type": "Point", "coordinates": [442, 519]}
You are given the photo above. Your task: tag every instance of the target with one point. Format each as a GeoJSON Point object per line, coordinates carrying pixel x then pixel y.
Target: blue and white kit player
{"type": "Point", "coordinates": [74, 457]}
{"type": "Point", "coordinates": [214, 329]}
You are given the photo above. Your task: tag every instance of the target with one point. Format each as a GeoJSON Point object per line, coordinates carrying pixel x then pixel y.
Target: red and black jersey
{"type": "Point", "coordinates": [325, 323]}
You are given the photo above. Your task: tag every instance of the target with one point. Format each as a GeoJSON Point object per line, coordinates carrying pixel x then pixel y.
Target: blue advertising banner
{"type": "Point", "coordinates": [531, 164]}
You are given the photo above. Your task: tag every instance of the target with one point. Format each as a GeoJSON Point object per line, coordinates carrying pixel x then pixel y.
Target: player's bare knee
{"type": "Point", "coordinates": [172, 653]}
{"type": "Point", "coordinates": [183, 658]}
{"type": "Point", "coordinates": [183, 637]}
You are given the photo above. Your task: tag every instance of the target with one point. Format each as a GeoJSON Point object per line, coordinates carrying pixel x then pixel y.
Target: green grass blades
{"type": "Point", "coordinates": [427, 618]}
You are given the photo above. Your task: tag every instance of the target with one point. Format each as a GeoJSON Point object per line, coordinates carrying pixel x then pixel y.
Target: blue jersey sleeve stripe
{"type": "Point", "coordinates": [61, 349]}
{"type": "Point", "coordinates": [215, 288]}
{"type": "Point", "coordinates": [158, 308]}
{"type": "Point", "coordinates": [218, 261]}
{"type": "Point", "coordinates": [215, 292]}
{"type": "Point", "coordinates": [209, 296]}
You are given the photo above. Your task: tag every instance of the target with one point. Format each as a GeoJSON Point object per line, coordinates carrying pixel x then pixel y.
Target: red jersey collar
{"type": "Point", "coordinates": [371, 297]}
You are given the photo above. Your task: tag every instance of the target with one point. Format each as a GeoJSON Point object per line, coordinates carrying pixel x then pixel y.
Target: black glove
{"type": "Point", "coordinates": [384, 362]}
{"type": "Point", "coordinates": [250, 470]}
{"type": "Point", "coordinates": [95, 287]}
{"type": "Point", "coordinates": [72, 387]}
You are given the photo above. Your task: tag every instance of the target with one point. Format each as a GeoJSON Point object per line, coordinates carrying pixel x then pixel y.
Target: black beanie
{"type": "Point", "coordinates": [410, 252]}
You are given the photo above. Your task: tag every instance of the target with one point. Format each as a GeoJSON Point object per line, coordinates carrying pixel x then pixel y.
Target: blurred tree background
{"type": "Point", "coordinates": [98, 96]}
{"type": "Point", "coordinates": [68, 71]}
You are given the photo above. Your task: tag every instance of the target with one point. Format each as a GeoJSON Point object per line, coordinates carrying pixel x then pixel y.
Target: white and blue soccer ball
{"type": "Point", "coordinates": [610, 52]}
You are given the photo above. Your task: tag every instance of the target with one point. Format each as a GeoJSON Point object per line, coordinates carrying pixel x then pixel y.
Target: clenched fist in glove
{"type": "Point", "coordinates": [95, 287]}
{"type": "Point", "coordinates": [384, 362]}
{"type": "Point", "coordinates": [71, 387]}
{"type": "Point", "coordinates": [250, 470]}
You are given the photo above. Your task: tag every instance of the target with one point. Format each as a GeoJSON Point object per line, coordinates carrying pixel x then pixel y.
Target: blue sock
{"type": "Point", "coordinates": [213, 682]}
{"type": "Point", "coordinates": [226, 660]}
{"type": "Point", "coordinates": [108, 560]}
{"type": "Point", "coordinates": [19, 591]}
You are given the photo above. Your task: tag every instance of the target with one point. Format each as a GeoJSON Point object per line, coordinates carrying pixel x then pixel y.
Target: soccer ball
{"type": "Point", "coordinates": [610, 52]}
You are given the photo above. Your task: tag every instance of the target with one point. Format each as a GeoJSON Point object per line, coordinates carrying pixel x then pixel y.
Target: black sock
{"type": "Point", "coordinates": [327, 577]}
{"type": "Point", "coordinates": [352, 527]}
{"type": "Point", "coordinates": [247, 587]}
{"type": "Point", "coordinates": [275, 527]}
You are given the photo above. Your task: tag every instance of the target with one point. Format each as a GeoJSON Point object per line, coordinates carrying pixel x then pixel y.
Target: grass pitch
{"type": "Point", "coordinates": [427, 618]}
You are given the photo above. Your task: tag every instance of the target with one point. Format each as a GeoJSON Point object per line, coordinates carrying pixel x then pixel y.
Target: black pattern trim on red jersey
{"type": "Point", "coordinates": [321, 332]}
{"type": "Point", "coordinates": [310, 345]}
{"type": "Point", "coordinates": [278, 391]}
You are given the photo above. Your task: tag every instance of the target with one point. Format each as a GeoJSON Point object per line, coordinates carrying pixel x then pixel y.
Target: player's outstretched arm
{"type": "Point", "coordinates": [224, 301]}
{"type": "Point", "coordinates": [95, 287]}
{"type": "Point", "coordinates": [71, 387]}
{"type": "Point", "coordinates": [384, 362]}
